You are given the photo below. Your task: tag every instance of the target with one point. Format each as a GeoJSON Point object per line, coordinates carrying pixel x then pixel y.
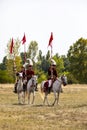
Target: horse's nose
{"type": "Point", "coordinates": [65, 83]}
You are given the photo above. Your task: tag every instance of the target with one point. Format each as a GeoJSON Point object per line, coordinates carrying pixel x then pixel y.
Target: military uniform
{"type": "Point", "coordinates": [29, 74]}
{"type": "Point", "coordinates": [52, 74]}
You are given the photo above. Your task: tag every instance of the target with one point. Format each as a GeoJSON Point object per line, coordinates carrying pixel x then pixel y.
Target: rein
{"type": "Point", "coordinates": [59, 80]}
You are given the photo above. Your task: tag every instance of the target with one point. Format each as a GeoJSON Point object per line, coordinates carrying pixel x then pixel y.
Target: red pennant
{"type": "Point", "coordinates": [11, 46]}
{"type": "Point", "coordinates": [50, 40]}
{"type": "Point", "coordinates": [24, 39]}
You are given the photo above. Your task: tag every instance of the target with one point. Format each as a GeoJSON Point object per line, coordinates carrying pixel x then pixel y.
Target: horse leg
{"type": "Point", "coordinates": [19, 98]}
{"type": "Point", "coordinates": [45, 99]}
{"type": "Point", "coordinates": [28, 97]}
{"type": "Point", "coordinates": [58, 98]}
{"type": "Point", "coordinates": [23, 97]}
{"type": "Point", "coordinates": [33, 97]}
{"type": "Point", "coordinates": [54, 99]}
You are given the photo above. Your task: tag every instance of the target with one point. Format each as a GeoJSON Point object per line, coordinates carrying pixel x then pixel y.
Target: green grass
{"type": "Point", "coordinates": [70, 114]}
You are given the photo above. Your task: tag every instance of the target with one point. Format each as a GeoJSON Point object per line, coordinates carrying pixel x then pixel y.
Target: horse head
{"type": "Point", "coordinates": [64, 80]}
{"type": "Point", "coordinates": [20, 75]}
{"type": "Point", "coordinates": [34, 80]}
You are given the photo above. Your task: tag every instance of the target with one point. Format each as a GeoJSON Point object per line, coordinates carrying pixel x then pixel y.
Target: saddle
{"type": "Point", "coordinates": [46, 84]}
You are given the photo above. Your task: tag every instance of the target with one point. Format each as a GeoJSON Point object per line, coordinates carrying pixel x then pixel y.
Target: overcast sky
{"type": "Point", "coordinates": [67, 19]}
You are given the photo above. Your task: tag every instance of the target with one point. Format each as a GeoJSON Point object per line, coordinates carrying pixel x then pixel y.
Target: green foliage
{"type": "Point", "coordinates": [13, 61]}
{"type": "Point", "coordinates": [5, 77]}
{"type": "Point", "coordinates": [70, 78]}
{"type": "Point", "coordinates": [41, 76]}
{"type": "Point", "coordinates": [74, 65]}
{"type": "Point", "coordinates": [43, 62]}
{"type": "Point", "coordinates": [66, 63]}
{"type": "Point", "coordinates": [60, 64]}
{"type": "Point", "coordinates": [16, 48]}
{"type": "Point", "coordinates": [77, 55]}
{"type": "Point", "coordinates": [32, 50]}
{"type": "Point", "coordinates": [22, 55]}
{"type": "Point", "coordinates": [3, 64]}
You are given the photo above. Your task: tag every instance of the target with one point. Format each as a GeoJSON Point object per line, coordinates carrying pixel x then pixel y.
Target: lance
{"type": "Point", "coordinates": [14, 67]}
{"type": "Point", "coordinates": [23, 42]}
{"type": "Point", "coordinates": [51, 51]}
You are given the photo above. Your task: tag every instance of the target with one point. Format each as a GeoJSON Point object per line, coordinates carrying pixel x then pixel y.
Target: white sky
{"type": "Point", "coordinates": [67, 19]}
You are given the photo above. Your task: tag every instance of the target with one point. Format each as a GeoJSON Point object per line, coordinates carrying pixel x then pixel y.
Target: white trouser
{"type": "Point", "coordinates": [50, 82]}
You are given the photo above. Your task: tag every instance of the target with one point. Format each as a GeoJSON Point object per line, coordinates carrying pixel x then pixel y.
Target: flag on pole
{"type": "Point", "coordinates": [50, 40]}
{"type": "Point", "coordinates": [23, 42]}
{"type": "Point", "coordinates": [11, 46]}
{"type": "Point", "coordinates": [23, 39]}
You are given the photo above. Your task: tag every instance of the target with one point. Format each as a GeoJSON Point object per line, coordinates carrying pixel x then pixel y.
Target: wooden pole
{"type": "Point", "coordinates": [24, 53]}
{"type": "Point", "coordinates": [51, 64]}
{"type": "Point", "coordinates": [15, 68]}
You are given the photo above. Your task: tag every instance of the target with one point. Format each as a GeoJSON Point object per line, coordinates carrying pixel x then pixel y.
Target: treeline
{"type": "Point", "coordinates": [73, 65]}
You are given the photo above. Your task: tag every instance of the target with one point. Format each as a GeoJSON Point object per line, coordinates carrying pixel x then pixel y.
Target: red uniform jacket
{"type": "Point", "coordinates": [29, 74]}
{"type": "Point", "coordinates": [54, 72]}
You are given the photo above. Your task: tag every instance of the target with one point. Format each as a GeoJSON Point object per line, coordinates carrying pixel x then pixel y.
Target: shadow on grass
{"type": "Point", "coordinates": [41, 105]}
{"type": "Point", "coordinates": [18, 104]}
{"type": "Point", "coordinates": [31, 105]}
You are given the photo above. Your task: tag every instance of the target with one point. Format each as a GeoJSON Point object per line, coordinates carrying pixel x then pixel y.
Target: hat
{"type": "Point", "coordinates": [29, 61]}
{"type": "Point", "coordinates": [53, 62]}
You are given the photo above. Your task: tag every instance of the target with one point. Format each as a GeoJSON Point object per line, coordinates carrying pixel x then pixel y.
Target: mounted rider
{"type": "Point", "coordinates": [22, 72]}
{"type": "Point", "coordinates": [52, 74]}
{"type": "Point", "coordinates": [30, 71]}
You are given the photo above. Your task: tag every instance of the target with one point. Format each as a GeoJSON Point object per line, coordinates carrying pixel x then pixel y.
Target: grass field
{"type": "Point", "coordinates": [70, 114]}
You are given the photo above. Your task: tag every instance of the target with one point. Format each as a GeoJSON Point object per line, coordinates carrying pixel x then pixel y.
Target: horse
{"type": "Point", "coordinates": [20, 90]}
{"type": "Point", "coordinates": [31, 85]}
{"type": "Point", "coordinates": [56, 89]}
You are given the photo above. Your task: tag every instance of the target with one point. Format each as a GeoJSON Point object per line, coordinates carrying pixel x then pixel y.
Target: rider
{"type": "Point", "coordinates": [17, 74]}
{"type": "Point", "coordinates": [29, 71]}
{"type": "Point", "coordinates": [52, 74]}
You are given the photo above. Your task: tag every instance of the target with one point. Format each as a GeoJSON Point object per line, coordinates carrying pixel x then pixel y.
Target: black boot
{"type": "Point", "coordinates": [15, 88]}
{"type": "Point", "coordinates": [49, 90]}
{"type": "Point", "coordinates": [36, 89]}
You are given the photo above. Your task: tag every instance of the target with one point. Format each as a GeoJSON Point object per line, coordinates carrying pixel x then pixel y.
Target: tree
{"type": "Point", "coordinates": [13, 62]}
{"type": "Point", "coordinates": [77, 55]}
{"type": "Point", "coordinates": [16, 48]}
{"type": "Point", "coordinates": [3, 64]}
{"type": "Point", "coordinates": [66, 63]}
{"type": "Point", "coordinates": [32, 50]}
{"type": "Point", "coordinates": [5, 78]}
{"type": "Point", "coordinates": [59, 64]}
{"type": "Point", "coordinates": [22, 54]}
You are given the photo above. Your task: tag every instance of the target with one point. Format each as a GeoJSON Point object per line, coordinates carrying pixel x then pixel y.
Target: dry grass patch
{"type": "Point", "coordinates": [70, 114]}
